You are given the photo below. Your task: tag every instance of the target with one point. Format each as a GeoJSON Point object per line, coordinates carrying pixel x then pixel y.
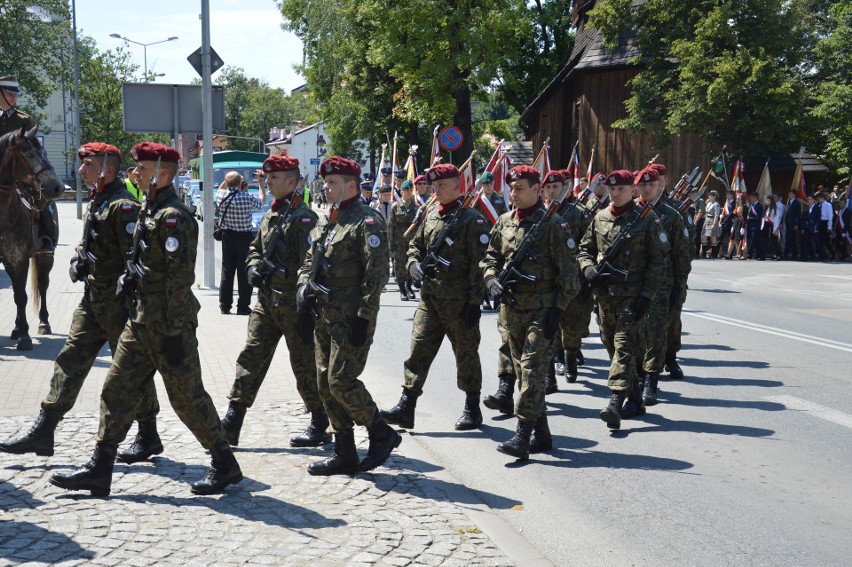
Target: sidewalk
{"type": "Point", "coordinates": [408, 512]}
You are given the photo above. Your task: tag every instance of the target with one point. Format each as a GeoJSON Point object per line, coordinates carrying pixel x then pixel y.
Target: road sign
{"type": "Point", "coordinates": [195, 60]}
{"type": "Point", "coordinates": [160, 107]}
{"type": "Point", "coordinates": [450, 138]}
{"type": "Point", "coordinates": [315, 161]}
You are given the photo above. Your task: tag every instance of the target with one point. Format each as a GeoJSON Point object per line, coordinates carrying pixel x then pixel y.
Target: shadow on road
{"type": "Point", "coordinates": [726, 348]}
{"type": "Point", "coordinates": [698, 362]}
{"type": "Point", "coordinates": [655, 423]}
{"type": "Point", "coordinates": [679, 399]}
{"type": "Point", "coordinates": [44, 347]}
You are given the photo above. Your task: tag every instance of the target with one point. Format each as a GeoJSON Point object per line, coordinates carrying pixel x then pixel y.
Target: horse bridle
{"type": "Point", "coordinates": [18, 156]}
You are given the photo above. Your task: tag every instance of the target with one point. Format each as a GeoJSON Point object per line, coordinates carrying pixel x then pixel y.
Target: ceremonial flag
{"type": "Point", "coordinates": [542, 160]}
{"type": "Point", "coordinates": [764, 186]}
{"type": "Point", "coordinates": [468, 182]}
{"type": "Point", "coordinates": [589, 169]}
{"type": "Point", "coordinates": [435, 156]}
{"type": "Point", "coordinates": [394, 170]}
{"type": "Point", "coordinates": [799, 182]}
{"type": "Point", "coordinates": [487, 208]}
{"type": "Point", "coordinates": [381, 165]}
{"type": "Point", "coordinates": [419, 199]}
{"type": "Point", "coordinates": [497, 167]}
{"type": "Point", "coordinates": [719, 168]}
{"type": "Point", "coordinates": [412, 164]}
{"type": "Point", "coordinates": [575, 159]}
{"type": "Point", "coordinates": [738, 182]}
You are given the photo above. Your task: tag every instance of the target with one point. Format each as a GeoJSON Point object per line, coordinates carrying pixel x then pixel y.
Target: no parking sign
{"type": "Point", "coordinates": [450, 138]}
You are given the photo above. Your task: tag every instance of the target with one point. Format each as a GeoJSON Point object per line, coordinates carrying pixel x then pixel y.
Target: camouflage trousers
{"type": "Point", "coordinates": [275, 316]}
{"type": "Point", "coordinates": [399, 252]}
{"type": "Point", "coordinates": [674, 326]}
{"type": "Point", "coordinates": [132, 373]}
{"type": "Point", "coordinates": [93, 324]}
{"type": "Point", "coordinates": [652, 333]}
{"type": "Point", "coordinates": [505, 367]}
{"type": "Point", "coordinates": [339, 364]}
{"type": "Point", "coordinates": [574, 325]}
{"type": "Point", "coordinates": [618, 334]}
{"type": "Point", "coordinates": [433, 320]}
{"type": "Point", "coordinates": [531, 352]}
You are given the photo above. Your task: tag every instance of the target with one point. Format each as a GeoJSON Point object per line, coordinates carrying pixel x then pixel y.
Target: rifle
{"type": "Point", "coordinates": [421, 212]}
{"type": "Point", "coordinates": [86, 260]}
{"type": "Point", "coordinates": [268, 266]}
{"type": "Point", "coordinates": [318, 261]}
{"type": "Point", "coordinates": [685, 184]}
{"type": "Point", "coordinates": [511, 273]}
{"type": "Point", "coordinates": [433, 261]}
{"type": "Point", "coordinates": [134, 274]}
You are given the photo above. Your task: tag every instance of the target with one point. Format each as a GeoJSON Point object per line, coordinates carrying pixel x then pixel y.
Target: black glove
{"type": "Point", "coordinates": [358, 331]}
{"type": "Point", "coordinates": [551, 322]}
{"type": "Point", "coordinates": [255, 279]}
{"type": "Point", "coordinates": [493, 286]}
{"type": "Point", "coordinates": [640, 307]}
{"type": "Point", "coordinates": [675, 296]}
{"type": "Point", "coordinates": [172, 349]}
{"type": "Point", "coordinates": [415, 272]}
{"type": "Point", "coordinates": [305, 327]}
{"type": "Point", "coordinates": [126, 285]}
{"type": "Point", "coordinates": [304, 299]}
{"type": "Point", "coordinates": [591, 274]}
{"type": "Point", "coordinates": [77, 270]}
{"type": "Point", "coordinates": [470, 315]}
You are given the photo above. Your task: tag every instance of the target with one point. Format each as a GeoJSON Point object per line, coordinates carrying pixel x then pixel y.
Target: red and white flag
{"type": "Point", "coordinates": [542, 161]}
{"type": "Point", "coordinates": [487, 208]}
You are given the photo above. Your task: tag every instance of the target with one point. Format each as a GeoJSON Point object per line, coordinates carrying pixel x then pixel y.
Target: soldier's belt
{"type": "Point", "coordinates": [544, 285]}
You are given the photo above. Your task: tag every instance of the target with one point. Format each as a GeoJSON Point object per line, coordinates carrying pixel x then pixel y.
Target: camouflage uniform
{"type": "Point", "coordinates": [101, 315]}
{"type": "Point", "coordinates": [498, 202]}
{"type": "Point", "coordinates": [444, 296]}
{"type": "Point", "coordinates": [673, 322]}
{"type": "Point", "coordinates": [163, 316]}
{"type": "Point", "coordinates": [557, 282]}
{"type": "Point", "coordinates": [677, 252]}
{"type": "Point", "coordinates": [402, 214]}
{"type": "Point", "coordinates": [577, 312]}
{"type": "Point", "coordinates": [274, 313]}
{"type": "Point", "coordinates": [355, 270]}
{"type": "Point", "coordinates": [642, 256]}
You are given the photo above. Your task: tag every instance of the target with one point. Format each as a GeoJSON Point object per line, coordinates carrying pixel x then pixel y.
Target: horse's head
{"type": "Point", "coordinates": [30, 164]}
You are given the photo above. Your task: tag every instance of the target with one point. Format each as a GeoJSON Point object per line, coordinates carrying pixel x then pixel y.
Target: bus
{"type": "Point", "coordinates": [244, 163]}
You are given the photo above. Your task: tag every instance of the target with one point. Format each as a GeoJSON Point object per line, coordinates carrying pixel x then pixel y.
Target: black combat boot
{"type": "Point", "coordinates": [541, 440]}
{"type": "Point", "coordinates": [38, 440]}
{"type": "Point", "coordinates": [504, 400]}
{"type": "Point", "coordinates": [471, 416]}
{"type": "Point", "coordinates": [581, 360]}
{"type": "Point", "coordinates": [95, 476]}
{"type": "Point", "coordinates": [403, 293]}
{"type": "Point", "coordinates": [519, 445]}
{"type": "Point", "coordinates": [571, 366]}
{"type": "Point", "coordinates": [560, 362]}
{"type": "Point", "coordinates": [224, 470]}
{"type": "Point", "coordinates": [634, 406]}
{"type": "Point", "coordinates": [316, 434]}
{"type": "Point", "coordinates": [611, 414]}
{"type": "Point", "coordinates": [402, 414]}
{"type": "Point", "coordinates": [649, 393]}
{"type": "Point", "coordinates": [409, 287]}
{"type": "Point", "coordinates": [233, 422]}
{"type": "Point", "coordinates": [383, 440]}
{"type": "Point", "coordinates": [640, 376]}
{"type": "Point", "coordinates": [343, 461]}
{"type": "Point", "coordinates": [146, 444]}
{"type": "Point", "coordinates": [675, 371]}
{"type": "Point", "coordinates": [550, 386]}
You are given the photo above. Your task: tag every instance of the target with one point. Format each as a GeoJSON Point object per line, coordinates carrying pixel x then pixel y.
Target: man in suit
{"type": "Point", "coordinates": [792, 227]}
{"type": "Point", "coordinates": [753, 222]}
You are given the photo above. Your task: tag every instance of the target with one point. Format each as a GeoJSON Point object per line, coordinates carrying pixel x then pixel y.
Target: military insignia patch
{"type": "Point", "coordinates": [480, 222]}
{"type": "Point", "coordinates": [129, 227]}
{"type": "Point", "coordinates": [374, 241]}
{"type": "Point", "coordinates": [571, 244]}
{"type": "Point", "coordinates": [483, 238]}
{"type": "Point", "coordinates": [172, 244]}
{"type": "Point", "coordinates": [328, 168]}
{"type": "Point", "coordinates": [369, 221]}
{"type": "Point", "coordinates": [689, 220]}
{"type": "Point", "coordinates": [306, 220]}
{"type": "Point", "coordinates": [310, 240]}
{"type": "Point", "coordinates": [171, 222]}
{"type": "Point", "coordinates": [663, 237]}
{"type": "Point", "coordinates": [612, 180]}
{"type": "Point", "coordinates": [126, 207]}
{"type": "Point", "coordinates": [564, 226]}
{"type": "Point", "coordinates": [685, 233]}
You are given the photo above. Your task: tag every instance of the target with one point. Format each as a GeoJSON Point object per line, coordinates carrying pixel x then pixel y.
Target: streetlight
{"type": "Point", "coordinates": [144, 47]}
{"type": "Point", "coordinates": [320, 153]}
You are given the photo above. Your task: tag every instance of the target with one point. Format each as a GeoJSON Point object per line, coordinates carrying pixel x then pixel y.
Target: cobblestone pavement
{"type": "Point", "coordinates": [404, 513]}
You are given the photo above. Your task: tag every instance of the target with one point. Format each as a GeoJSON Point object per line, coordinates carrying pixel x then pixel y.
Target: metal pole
{"type": "Point", "coordinates": [176, 141]}
{"type": "Point", "coordinates": [145, 58]}
{"type": "Point", "coordinates": [77, 183]}
{"type": "Point", "coordinates": [209, 255]}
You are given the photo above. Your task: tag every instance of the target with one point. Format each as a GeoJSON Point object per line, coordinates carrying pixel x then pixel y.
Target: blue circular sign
{"type": "Point", "coordinates": [450, 138]}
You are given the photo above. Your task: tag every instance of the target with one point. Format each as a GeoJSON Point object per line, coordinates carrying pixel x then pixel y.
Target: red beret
{"type": "Point", "coordinates": [280, 163]}
{"type": "Point", "coordinates": [620, 177]}
{"type": "Point", "coordinates": [336, 165]}
{"type": "Point", "coordinates": [659, 168]}
{"type": "Point", "coordinates": [523, 172]}
{"type": "Point", "coordinates": [420, 179]}
{"type": "Point", "coordinates": [152, 151]}
{"type": "Point", "coordinates": [98, 149]}
{"type": "Point", "coordinates": [554, 177]}
{"type": "Point", "coordinates": [647, 175]}
{"type": "Point", "coordinates": [442, 171]}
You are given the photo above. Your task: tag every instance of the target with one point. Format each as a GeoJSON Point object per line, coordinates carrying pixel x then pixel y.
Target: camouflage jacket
{"type": "Point", "coordinates": [575, 219]}
{"type": "Point", "coordinates": [499, 202]}
{"type": "Point", "coordinates": [166, 302]}
{"type": "Point", "coordinates": [111, 231]}
{"type": "Point", "coordinates": [679, 258]}
{"type": "Point", "coordinates": [355, 262]}
{"type": "Point", "coordinates": [290, 249]}
{"type": "Point", "coordinates": [14, 120]}
{"type": "Point", "coordinates": [402, 214]}
{"type": "Point", "coordinates": [555, 270]}
{"type": "Point", "coordinates": [469, 239]}
{"type": "Point", "coordinates": [642, 256]}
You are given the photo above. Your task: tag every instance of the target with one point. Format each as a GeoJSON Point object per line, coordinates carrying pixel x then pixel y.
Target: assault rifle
{"type": "Point", "coordinates": [134, 275]}
{"type": "Point", "coordinates": [511, 273]}
{"type": "Point", "coordinates": [434, 262]}
{"type": "Point", "coordinates": [686, 184]}
{"type": "Point", "coordinates": [318, 261]}
{"type": "Point", "coordinates": [86, 260]}
{"type": "Point", "coordinates": [268, 266]}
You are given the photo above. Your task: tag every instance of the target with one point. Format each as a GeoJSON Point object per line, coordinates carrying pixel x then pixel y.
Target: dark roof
{"type": "Point", "coordinates": [522, 153]}
{"type": "Point", "coordinates": [786, 163]}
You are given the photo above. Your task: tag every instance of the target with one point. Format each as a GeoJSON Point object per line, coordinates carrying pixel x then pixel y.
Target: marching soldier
{"type": "Point", "coordinates": [532, 307]}
{"type": "Point", "coordinates": [678, 255]}
{"type": "Point", "coordinates": [12, 118]}
{"type": "Point", "coordinates": [274, 259]}
{"type": "Point", "coordinates": [444, 255]}
{"type": "Point", "coordinates": [342, 279]}
{"type": "Point", "coordinates": [625, 273]}
{"type": "Point", "coordinates": [101, 315]}
{"type": "Point", "coordinates": [402, 213]}
{"type": "Point", "coordinates": [159, 335]}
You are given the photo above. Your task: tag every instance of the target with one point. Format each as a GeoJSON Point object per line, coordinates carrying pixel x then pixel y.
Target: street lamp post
{"type": "Point", "coordinates": [320, 153]}
{"type": "Point", "coordinates": [144, 47]}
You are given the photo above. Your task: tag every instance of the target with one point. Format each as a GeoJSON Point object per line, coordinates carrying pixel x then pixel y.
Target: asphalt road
{"type": "Point", "coordinates": [746, 462]}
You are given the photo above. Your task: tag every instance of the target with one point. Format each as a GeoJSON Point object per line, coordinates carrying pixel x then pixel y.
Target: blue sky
{"type": "Point", "coordinates": [245, 33]}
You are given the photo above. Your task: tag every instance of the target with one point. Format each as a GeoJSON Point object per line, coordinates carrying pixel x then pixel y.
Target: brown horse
{"type": "Point", "coordinates": [25, 176]}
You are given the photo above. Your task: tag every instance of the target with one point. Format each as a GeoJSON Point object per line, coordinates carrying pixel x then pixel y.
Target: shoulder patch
{"type": "Point", "coordinates": [130, 227]}
{"type": "Point", "coordinates": [374, 241]}
{"type": "Point", "coordinates": [686, 233]}
{"type": "Point", "coordinates": [369, 221]}
{"type": "Point", "coordinates": [663, 237]}
{"type": "Point", "coordinates": [571, 244]}
{"type": "Point", "coordinates": [126, 207]}
{"type": "Point", "coordinates": [172, 244]}
{"type": "Point", "coordinates": [480, 222]}
{"type": "Point", "coordinates": [171, 222]}
{"type": "Point", "coordinates": [657, 220]}
{"type": "Point", "coordinates": [483, 239]}
{"type": "Point", "coordinates": [306, 220]}
{"type": "Point", "coordinates": [564, 225]}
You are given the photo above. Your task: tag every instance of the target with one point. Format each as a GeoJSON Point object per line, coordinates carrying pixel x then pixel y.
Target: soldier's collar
{"type": "Point", "coordinates": [521, 214]}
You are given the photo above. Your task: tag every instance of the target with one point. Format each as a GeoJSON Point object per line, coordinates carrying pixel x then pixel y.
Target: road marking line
{"type": "Point", "coordinates": [828, 414]}
{"type": "Point", "coordinates": [837, 345]}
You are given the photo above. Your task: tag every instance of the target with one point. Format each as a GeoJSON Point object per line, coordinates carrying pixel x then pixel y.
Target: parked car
{"type": "Point", "coordinates": [192, 196]}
